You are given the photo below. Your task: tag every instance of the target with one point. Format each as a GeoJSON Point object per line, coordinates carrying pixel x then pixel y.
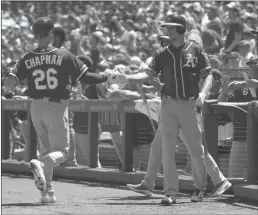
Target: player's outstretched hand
{"type": "Point", "coordinates": [115, 77]}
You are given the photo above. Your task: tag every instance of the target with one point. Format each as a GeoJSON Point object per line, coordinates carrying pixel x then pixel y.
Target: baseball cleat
{"type": "Point", "coordinates": [168, 200]}
{"type": "Point", "coordinates": [139, 188]}
{"type": "Point", "coordinates": [44, 198]}
{"type": "Point", "coordinates": [38, 172]}
{"type": "Point", "coordinates": [198, 195]}
{"type": "Point", "coordinates": [52, 197]}
{"type": "Point", "coordinates": [220, 188]}
{"type": "Point", "coordinates": [47, 197]}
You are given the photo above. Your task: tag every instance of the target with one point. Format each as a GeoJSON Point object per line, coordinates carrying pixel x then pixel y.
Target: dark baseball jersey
{"type": "Point", "coordinates": [176, 65]}
{"type": "Point", "coordinates": [50, 72]}
{"type": "Point", "coordinates": [239, 92]}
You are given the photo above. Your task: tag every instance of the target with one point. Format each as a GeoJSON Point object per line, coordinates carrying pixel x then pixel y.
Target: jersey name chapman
{"type": "Point", "coordinates": [44, 59]}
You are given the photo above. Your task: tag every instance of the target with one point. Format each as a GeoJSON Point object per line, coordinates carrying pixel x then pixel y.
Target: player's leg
{"type": "Point", "coordinates": [36, 166]}
{"type": "Point", "coordinates": [56, 120]}
{"type": "Point", "coordinates": [117, 143]}
{"type": "Point", "coordinates": [83, 144]}
{"type": "Point", "coordinates": [147, 185]}
{"type": "Point", "coordinates": [191, 130]}
{"type": "Point", "coordinates": [218, 179]}
{"type": "Point", "coordinates": [71, 160]}
{"type": "Point", "coordinates": [169, 132]}
{"type": "Point", "coordinates": [136, 158]}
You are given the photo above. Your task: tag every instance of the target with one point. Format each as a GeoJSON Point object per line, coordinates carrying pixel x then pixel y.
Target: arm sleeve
{"type": "Point", "coordinates": [76, 68]}
{"type": "Point", "coordinates": [204, 68]}
{"type": "Point", "coordinates": [93, 78]}
{"type": "Point", "coordinates": [80, 72]}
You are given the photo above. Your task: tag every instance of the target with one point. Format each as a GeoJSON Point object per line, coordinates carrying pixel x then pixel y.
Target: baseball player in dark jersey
{"type": "Point", "coordinates": [177, 63]}
{"type": "Point", "coordinates": [50, 73]}
{"type": "Point", "coordinates": [239, 91]}
{"type": "Point", "coordinates": [147, 185]}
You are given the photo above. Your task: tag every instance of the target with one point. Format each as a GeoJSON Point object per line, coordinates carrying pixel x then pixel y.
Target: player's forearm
{"type": "Point", "coordinates": [93, 78]}
{"type": "Point", "coordinates": [223, 96]}
{"type": "Point", "coordinates": [207, 86]}
{"type": "Point", "coordinates": [151, 89]}
{"type": "Point", "coordinates": [138, 78]}
{"type": "Point", "coordinates": [129, 94]}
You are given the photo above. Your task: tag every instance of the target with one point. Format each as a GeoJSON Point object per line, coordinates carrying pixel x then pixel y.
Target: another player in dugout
{"type": "Point", "coordinates": [221, 184]}
{"type": "Point", "coordinates": [177, 63]}
{"type": "Point", "coordinates": [50, 72]}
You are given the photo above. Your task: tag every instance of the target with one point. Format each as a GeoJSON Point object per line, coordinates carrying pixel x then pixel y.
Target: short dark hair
{"type": "Point", "coordinates": [59, 31]}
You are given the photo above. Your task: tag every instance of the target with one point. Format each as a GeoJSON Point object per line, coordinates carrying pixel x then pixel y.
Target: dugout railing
{"type": "Point", "coordinates": [129, 114]}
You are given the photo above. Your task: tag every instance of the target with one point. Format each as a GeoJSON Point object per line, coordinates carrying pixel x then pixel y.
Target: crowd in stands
{"type": "Point", "coordinates": [128, 32]}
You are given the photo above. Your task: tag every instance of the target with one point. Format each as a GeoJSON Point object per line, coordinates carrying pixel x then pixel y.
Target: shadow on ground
{"type": "Point", "coordinates": [237, 202]}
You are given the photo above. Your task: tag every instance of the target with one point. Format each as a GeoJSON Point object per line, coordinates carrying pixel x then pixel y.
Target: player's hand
{"type": "Point", "coordinates": [157, 84]}
{"type": "Point", "coordinates": [200, 100]}
{"type": "Point", "coordinates": [225, 83]}
{"type": "Point", "coordinates": [252, 83]}
{"type": "Point", "coordinates": [115, 77]}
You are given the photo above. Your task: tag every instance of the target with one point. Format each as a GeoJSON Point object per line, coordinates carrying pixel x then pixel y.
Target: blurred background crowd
{"type": "Point", "coordinates": [127, 32]}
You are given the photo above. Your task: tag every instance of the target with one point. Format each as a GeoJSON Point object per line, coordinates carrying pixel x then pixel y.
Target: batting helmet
{"type": "Point", "coordinates": [176, 20]}
{"type": "Point", "coordinates": [42, 27]}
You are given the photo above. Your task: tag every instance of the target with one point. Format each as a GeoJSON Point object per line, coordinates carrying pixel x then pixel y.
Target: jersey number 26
{"type": "Point", "coordinates": [40, 76]}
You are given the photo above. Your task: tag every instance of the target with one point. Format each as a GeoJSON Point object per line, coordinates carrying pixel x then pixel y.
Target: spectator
{"type": "Point", "coordinates": [212, 42]}
{"type": "Point", "coordinates": [249, 36]}
{"type": "Point", "coordinates": [214, 22]}
{"type": "Point", "coordinates": [233, 37]}
{"type": "Point", "coordinates": [233, 60]}
{"type": "Point", "coordinates": [245, 52]}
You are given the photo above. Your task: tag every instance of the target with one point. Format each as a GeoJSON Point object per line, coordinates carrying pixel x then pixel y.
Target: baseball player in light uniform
{"type": "Point", "coordinates": [146, 187]}
{"type": "Point", "coordinates": [50, 73]}
{"type": "Point", "coordinates": [176, 63]}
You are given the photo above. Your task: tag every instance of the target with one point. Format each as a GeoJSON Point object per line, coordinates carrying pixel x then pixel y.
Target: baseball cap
{"type": "Point", "coordinates": [174, 20]}
{"type": "Point", "coordinates": [253, 61]}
